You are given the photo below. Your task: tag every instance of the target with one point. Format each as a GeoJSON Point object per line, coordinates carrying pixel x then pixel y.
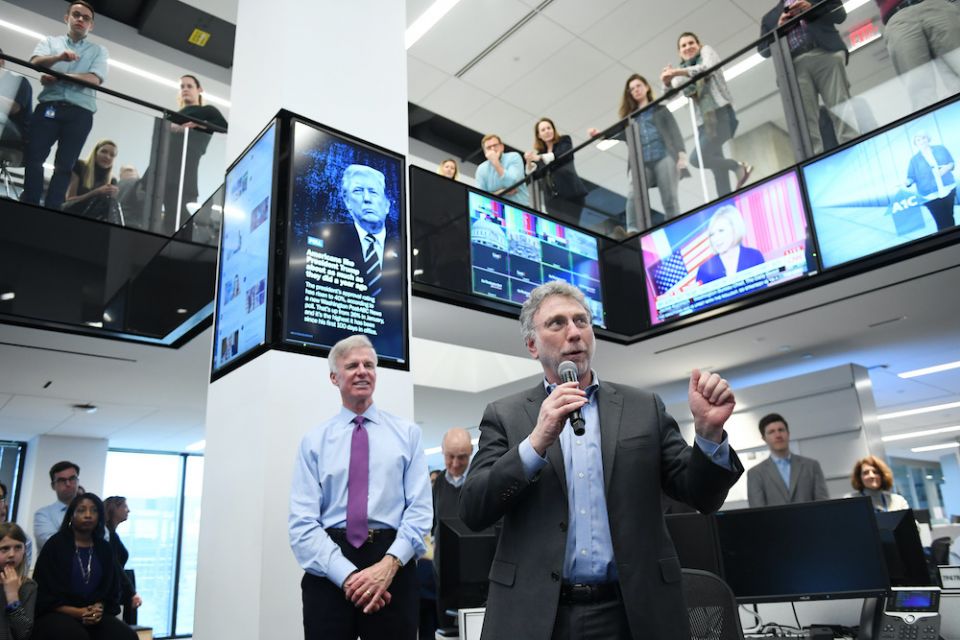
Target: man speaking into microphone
{"type": "Point", "coordinates": [584, 552]}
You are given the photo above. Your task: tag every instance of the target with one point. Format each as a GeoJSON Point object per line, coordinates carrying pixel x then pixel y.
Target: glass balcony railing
{"type": "Point", "coordinates": [796, 92]}
{"type": "Point", "coordinates": [140, 166]}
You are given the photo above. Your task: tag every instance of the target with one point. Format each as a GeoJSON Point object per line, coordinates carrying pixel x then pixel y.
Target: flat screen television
{"type": "Point", "coordinates": [346, 244]}
{"type": "Point", "coordinates": [887, 190]}
{"type": "Point", "coordinates": [902, 549]}
{"type": "Point", "coordinates": [746, 243]}
{"type": "Point", "coordinates": [240, 318]}
{"type": "Point", "coordinates": [513, 251]}
{"type": "Point", "coordinates": [807, 551]}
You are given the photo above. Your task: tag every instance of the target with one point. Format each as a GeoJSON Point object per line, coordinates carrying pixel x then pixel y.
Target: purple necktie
{"type": "Point", "coordinates": [357, 485]}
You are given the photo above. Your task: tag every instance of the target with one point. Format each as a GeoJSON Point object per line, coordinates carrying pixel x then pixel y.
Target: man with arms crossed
{"type": "Point", "coordinates": [359, 508]}
{"type": "Point", "coordinates": [584, 552]}
{"type": "Point", "coordinates": [783, 478]}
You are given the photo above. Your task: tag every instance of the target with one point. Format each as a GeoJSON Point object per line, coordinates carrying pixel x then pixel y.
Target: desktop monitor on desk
{"type": "Point", "coordinates": [906, 562]}
{"type": "Point", "coordinates": [810, 551]}
{"type": "Point", "coordinates": [463, 559]}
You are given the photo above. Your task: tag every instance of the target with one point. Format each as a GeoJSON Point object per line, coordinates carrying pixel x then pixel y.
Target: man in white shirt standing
{"type": "Point", "coordinates": [65, 480]}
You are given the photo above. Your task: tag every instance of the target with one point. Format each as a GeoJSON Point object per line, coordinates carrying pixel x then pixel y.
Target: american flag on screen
{"type": "Point", "coordinates": [678, 269]}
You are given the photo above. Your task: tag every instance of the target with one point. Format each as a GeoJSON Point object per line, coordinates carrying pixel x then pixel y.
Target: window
{"type": "Point", "coordinates": [163, 493]}
{"type": "Point", "coordinates": [11, 473]}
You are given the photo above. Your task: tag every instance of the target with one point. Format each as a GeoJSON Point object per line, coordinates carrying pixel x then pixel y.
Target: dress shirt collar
{"type": "Point", "coordinates": [591, 390]}
{"type": "Point", "coordinates": [780, 459]}
{"type": "Point", "coordinates": [372, 415]}
{"type": "Point", "coordinates": [456, 482]}
{"type": "Point", "coordinates": [381, 236]}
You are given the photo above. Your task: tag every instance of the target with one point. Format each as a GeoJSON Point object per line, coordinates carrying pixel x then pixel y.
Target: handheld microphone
{"type": "Point", "coordinates": [568, 373]}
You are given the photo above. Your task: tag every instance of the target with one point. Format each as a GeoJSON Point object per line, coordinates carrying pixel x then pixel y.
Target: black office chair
{"type": "Point", "coordinates": [711, 606]}
{"type": "Point", "coordinates": [940, 552]}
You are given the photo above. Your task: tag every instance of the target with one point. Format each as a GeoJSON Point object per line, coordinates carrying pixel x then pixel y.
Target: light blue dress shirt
{"type": "Point", "coordinates": [489, 180]}
{"type": "Point", "coordinates": [92, 59]}
{"type": "Point", "coordinates": [47, 521]}
{"type": "Point", "coordinates": [783, 466]}
{"type": "Point", "coordinates": [588, 557]}
{"type": "Point", "coordinates": [399, 490]}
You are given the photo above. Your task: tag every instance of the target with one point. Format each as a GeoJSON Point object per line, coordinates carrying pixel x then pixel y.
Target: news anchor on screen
{"type": "Point", "coordinates": [931, 172]}
{"type": "Point", "coordinates": [373, 246]}
{"type": "Point", "coordinates": [726, 231]}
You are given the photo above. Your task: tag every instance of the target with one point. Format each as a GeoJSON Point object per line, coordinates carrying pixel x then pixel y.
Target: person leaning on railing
{"type": "Point", "coordinates": [64, 113]}
{"type": "Point", "coordinates": [565, 192]}
{"type": "Point", "coordinates": [713, 104]}
{"type": "Point", "coordinates": [191, 104]}
{"type": "Point", "coordinates": [664, 154]}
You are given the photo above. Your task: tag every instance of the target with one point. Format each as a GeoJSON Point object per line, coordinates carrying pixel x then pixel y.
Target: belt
{"type": "Point", "coordinates": [903, 4]}
{"type": "Point", "coordinates": [372, 534]}
{"type": "Point", "coordinates": [589, 593]}
{"type": "Point", "coordinates": [59, 103]}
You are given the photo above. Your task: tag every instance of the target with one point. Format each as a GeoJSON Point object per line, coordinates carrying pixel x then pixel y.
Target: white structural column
{"type": "Point", "coordinates": [342, 64]}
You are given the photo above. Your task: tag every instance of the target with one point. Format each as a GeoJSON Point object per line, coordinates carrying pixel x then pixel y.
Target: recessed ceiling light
{"type": "Point", "coordinates": [427, 20]}
{"type": "Point", "coordinates": [936, 447]}
{"type": "Point", "coordinates": [8, 295]}
{"type": "Point", "coordinates": [946, 366]}
{"type": "Point", "coordinates": [920, 434]}
{"type": "Point", "coordinates": [181, 311]}
{"type": "Point", "coordinates": [918, 411]}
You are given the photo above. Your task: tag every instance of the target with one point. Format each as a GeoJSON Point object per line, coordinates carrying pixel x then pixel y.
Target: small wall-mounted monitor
{"type": "Point", "coordinates": [747, 243]}
{"type": "Point", "coordinates": [240, 319]}
{"type": "Point", "coordinates": [887, 190]}
{"type": "Point", "coordinates": [513, 251]}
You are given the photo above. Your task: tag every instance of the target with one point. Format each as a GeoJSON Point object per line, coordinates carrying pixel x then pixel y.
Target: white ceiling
{"type": "Point", "coordinates": [568, 62]}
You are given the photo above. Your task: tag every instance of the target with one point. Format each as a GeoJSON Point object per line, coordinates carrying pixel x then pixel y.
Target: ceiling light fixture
{"type": "Point", "coordinates": [86, 407]}
{"type": "Point", "coordinates": [123, 66]}
{"type": "Point", "coordinates": [926, 370]}
{"type": "Point", "coordinates": [7, 296]}
{"type": "Point", "coordinates": [920, 434]}
{"type": "Point", "coordinates": [918, 411]}
{"type": "Point", "coordinates": [936, 447]}
{"type": "Point", "coordinates": [427, 20]}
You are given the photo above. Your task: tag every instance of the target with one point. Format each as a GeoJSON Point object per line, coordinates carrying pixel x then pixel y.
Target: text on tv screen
{"type": "Point", "coordinates": [346, 267]}
{"type": "Point", "coordinates": [241, 313]}
{"type": "Point", "coordinates": [887, 190]}
{"type": "Point", "coordinates": [513, 251]}
{"type": "Point", "coordinates": [751, 241]}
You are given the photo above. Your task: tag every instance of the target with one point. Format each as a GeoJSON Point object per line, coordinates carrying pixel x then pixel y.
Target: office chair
{"type": "Point", "coordinates": [711, 606]}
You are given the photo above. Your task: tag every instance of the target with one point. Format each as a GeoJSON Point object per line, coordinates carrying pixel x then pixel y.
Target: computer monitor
{"type": "Point", "coordinates": [463, 557]}
{"type": "Point", "coordinates": [906, 562]}
{"type": "Point", "coordinates": [807, 551]}
{"type": "Point", "coordinates": [922, 515]}
{"type": "Point", "coordinates": [695, 538]}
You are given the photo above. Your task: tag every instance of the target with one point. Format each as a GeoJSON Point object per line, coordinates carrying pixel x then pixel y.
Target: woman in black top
{"type": "Point", "coordinates": [93, 189]}
{"type": "Point", "coordinates": [78, 580]}
{"type": "Point", "coordinates": [565, 190]}
{"type": "Point", "coordinates": [117, 513]}
{"type": "Point", "coordinates": [191, 104]}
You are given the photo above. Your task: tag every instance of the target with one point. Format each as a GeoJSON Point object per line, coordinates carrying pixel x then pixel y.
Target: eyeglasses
{"type": "Point", "coordinates": [82, 17]}
{"type": "Point", "coordinates": [65, 481]}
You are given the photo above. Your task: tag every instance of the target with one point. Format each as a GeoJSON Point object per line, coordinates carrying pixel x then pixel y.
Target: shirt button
{"type": "Point", "coordinates": [580, 475]}
{"type": "Point", "coordinates": [579, 442]}
{"type": "Point", "coordinates": [583, 512]}
{"type": "Point", "coordinates": [555, 576]}
{"type": "Point", "coordinates": [583, 552]}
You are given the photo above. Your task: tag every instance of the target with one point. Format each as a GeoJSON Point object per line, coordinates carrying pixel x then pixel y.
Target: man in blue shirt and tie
{"type": "Point", "coordinates": [784, 477]}
{"type": "Point", "coordinates": [584, 552]}
{"type": "Point", "coordinates": [64, 113]}
{"type": "Point", "coordinates": [360, 506]}
{"type": "Point", "coordinates": [65, 480]}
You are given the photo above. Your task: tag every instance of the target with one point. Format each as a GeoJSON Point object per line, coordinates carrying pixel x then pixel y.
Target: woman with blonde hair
{"type": "Point", "coordinates": [872, 477]}
{"type": "Point", "coordinates": [19, 591]}
{"type": "Point", "coordinates": [449, 169]}
{"type": "Point", "coordinates": [93, 189]}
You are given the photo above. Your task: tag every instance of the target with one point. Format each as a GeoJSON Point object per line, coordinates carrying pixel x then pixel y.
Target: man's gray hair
{"type": "Point", "coordinates": [541, 293]}
{"type": "Point", "coordinates": [361, 169]}
{"type": "Point", "coordinates": [345, 346]}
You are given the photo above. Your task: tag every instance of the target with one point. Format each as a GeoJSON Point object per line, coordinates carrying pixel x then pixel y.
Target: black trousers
{"type": "Point", "coordinates": [60, 626]}
{"type": "Point", "coordinates": [599, 621]}
{"type": "Point", "coordinates": [942, 210]}
{"type": "Point", "coordinates": [328, 615]}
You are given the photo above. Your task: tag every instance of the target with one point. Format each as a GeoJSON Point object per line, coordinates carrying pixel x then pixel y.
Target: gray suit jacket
{"type": "Point", "coordinates": [765, 485]}
{"type": "Point", "coordinates": [642, 452]}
